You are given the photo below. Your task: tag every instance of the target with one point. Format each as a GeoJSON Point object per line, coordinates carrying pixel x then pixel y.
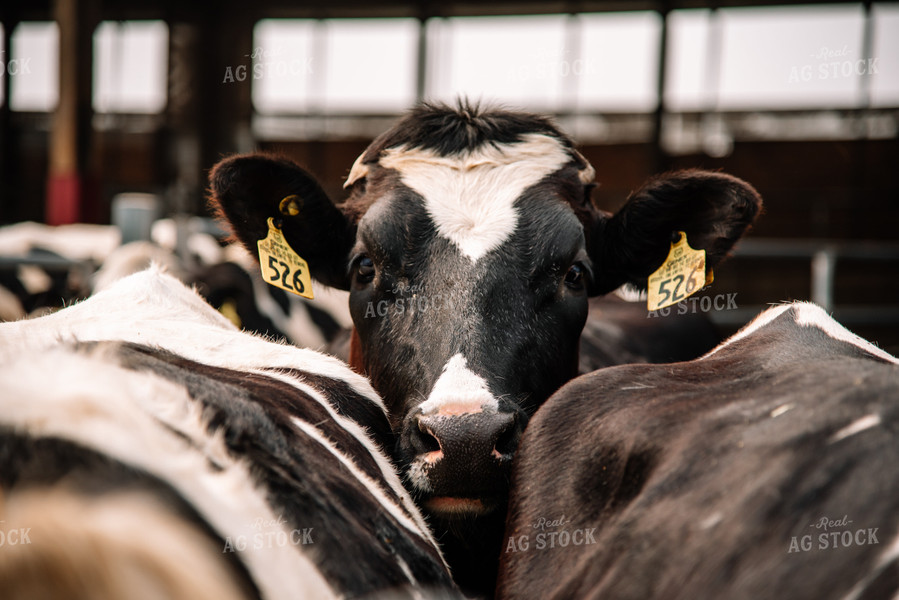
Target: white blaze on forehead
{"type": "Point", "coordinates": [459, 390]}
{"type": "Point", "coordinates": [471, 196]}
{"type": "Point", "coordinates": [359, 170]}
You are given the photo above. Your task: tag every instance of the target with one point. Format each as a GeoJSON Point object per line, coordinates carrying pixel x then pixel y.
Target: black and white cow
{"type": "Point", "coordinates": [266, 450]}
{"type": "Point", "coordinates": [46, 267]}
{"type": "Point", "coordinates": [470, 245]}
{"type": "Point", "coordinates": [764, 469]}
{"type": "Point", "coordinates": [236, 288]}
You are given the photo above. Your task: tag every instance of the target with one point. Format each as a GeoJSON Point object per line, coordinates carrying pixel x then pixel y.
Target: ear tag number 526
{"type": "Point", "coordinates": [281, 266]}
{"type": "Point", "coordinates": [680, 276]}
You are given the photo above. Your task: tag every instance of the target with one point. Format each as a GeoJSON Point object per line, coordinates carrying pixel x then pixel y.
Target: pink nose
{"type": "Point", "coordinates": [466, 438]}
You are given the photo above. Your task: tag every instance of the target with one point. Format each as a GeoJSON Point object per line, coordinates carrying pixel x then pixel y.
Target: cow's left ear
{"type": "Point", "coordinates": [249, 189]}
{"type": "Point", "coordinates": [713, 209]}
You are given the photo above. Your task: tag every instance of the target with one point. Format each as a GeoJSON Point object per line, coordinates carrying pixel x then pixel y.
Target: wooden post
{"type": "Point", "coordinates": [72, 193]}
{"type": "Point", "coordinates": [8, 138]}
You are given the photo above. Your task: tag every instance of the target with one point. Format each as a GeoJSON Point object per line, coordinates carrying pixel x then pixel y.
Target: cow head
{"type": "Point", "coordinates": [470, 245]}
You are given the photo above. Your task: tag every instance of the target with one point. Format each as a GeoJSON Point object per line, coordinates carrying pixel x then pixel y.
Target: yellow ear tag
{"type": "Point", "coordinates": [281, 266]}
{"type": "Point", "coordinates": [680, 276]}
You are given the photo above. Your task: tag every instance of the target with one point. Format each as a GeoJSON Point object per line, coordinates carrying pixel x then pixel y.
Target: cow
{"type": "Point", "coordinates": [236, 287]}
{"type": "Point", "coordinates": [229, 280]}
{"type": "Point", "coordinates": [763, 469]}
{"type": "Point", "coordinates": [469, 244]}
{"type": "Point", "coordinates": [45, 268]}
{"type": "Point", "coordinates": [147, 401]}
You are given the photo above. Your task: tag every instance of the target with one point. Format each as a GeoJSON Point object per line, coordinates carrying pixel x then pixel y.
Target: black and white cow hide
{"type": "Point", "coordinates": [470, 245]}
{"type": "Point", "coordinates": [272, 454]}
{"type": "Point", "coordinates": [764, 469]}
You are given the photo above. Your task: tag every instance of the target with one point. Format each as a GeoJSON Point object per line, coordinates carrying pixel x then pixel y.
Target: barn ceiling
{"type": "Point", "coordinates": [178, 9]}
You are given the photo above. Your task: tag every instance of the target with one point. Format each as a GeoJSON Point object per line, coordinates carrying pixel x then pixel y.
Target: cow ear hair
{"type": "Point", "coordinates": [713, 209]}
{"type": "Point", "coordinates": [246, 189]}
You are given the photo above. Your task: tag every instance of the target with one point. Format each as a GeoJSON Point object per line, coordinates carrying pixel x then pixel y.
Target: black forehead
{"type": "Point", "coordinates": [397, 224]}
{"type": "Point", "coordinates": [448, 130]}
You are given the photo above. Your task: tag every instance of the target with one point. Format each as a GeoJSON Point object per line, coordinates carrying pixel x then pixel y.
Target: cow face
{"type": "Point", "coordinates": [468, 292]}
{"type": "Point", "coordinates": [469, 245]}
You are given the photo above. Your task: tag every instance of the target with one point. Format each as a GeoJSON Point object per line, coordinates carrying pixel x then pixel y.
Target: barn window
{"type": "Point", "coordinates": [334, 65]}
{"type": "Point", "coordinates": [806, 67]}
{"type": "Point", "coordinates": [768, 58]}
{"type": "Point", "coordinates": [130, 67]}
{"type": "Point", "coordinates": [517, 60]}
{"type": "Point", "coordinates": [619, 61]}
{"type": "Point", "coordinates": [33, 67]}
{"type": "Point", "coordinates": [372, 56]}
{"type": "Point", "coordinates": [289, 43]}
{"type": "Point", "coordinates": [772, 72]}
{"type": "Point", "coordinates": [885, 85]}
{"type": "Point", "coordinates": [689, 85]}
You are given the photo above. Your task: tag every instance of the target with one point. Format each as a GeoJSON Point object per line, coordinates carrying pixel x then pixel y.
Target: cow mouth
{"type": "Point", "coordinates": [453, 507]}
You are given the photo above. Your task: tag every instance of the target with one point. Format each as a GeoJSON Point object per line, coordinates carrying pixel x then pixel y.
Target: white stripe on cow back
{"type": "Point", "coordinates": [416, 526]}
{"type": "Point", "coordinates": [470, 196]}
{"type": "Point", "coordinates": [155, 309]}
{"type": "Point", "coordinates": [807, 314]}
{"type": "Point", "coordinates": [457, 391]}
{"type": "Point", "coordinates": [887, 557]}
{"type": "Point", "coordinates": [81, 399]}
{"type": "Point", "coordinates": [386, 469]}
{"type": "Point", "coordinates": [152, 308]}
{"type": "Point", "coordinates": [857, 426]}
{"type": "Point", "coordinates": [760, 321]}
{"type": "Point", "coordinates": [812, 315]}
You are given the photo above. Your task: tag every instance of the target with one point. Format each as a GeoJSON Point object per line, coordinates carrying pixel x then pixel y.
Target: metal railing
{"type": "Point", "coordinates": [823, 256]}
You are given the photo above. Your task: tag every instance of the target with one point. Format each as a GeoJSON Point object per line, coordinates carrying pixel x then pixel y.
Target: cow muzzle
{"type": "Point", "coordinates": [462, 459]}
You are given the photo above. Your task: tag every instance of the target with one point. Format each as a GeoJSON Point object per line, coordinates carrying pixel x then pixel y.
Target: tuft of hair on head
{"type": "Point", "coordinates": [462, 128]}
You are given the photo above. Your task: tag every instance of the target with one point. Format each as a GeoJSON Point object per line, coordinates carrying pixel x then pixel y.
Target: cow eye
{"type": "Point", "coordinates": [574, 278]}
{"type": "Point", "coordinates": [365, 270]}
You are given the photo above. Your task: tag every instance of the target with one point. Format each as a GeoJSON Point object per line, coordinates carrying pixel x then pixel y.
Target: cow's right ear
{"type": "Point", "coordinates": [713, 209]}
{"type": "Point", "coordinates": [247, 189]}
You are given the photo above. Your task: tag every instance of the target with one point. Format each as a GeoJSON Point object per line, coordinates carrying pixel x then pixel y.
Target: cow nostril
{"type": "Point", "coordinates": [425, 441]}
{"type": "Point", "coordinates": [507, 441]}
